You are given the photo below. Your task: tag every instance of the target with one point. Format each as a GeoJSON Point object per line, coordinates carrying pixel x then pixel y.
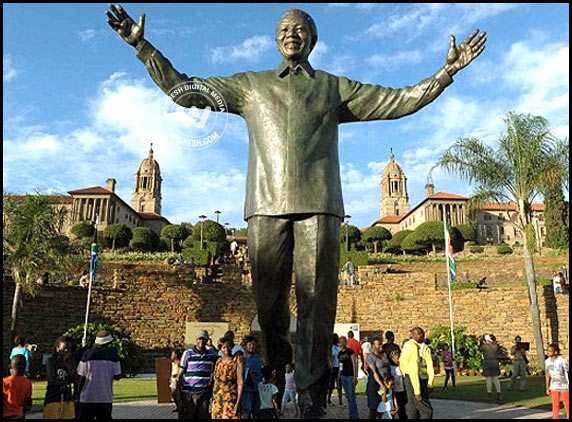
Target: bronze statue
{"type": "Point", "coordinates": [294, 202]}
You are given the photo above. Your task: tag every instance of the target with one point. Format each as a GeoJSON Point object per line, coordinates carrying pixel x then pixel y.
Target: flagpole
{"type": "Point", "coordinates": [447, 246]}
{"type": "Point", "coordinates": [92, 271]}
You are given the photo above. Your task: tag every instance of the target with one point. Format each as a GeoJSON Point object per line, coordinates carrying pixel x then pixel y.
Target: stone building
{"type": "Point", "coordinates": [494, 222]}
{"type": "Point", "coordinates": [145, 208]}
{"type": "Point", "coordinates": [103, 203]}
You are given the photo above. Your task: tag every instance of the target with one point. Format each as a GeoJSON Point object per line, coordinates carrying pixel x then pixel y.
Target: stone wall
{"type": "Point", "coordinates": [153, 301]}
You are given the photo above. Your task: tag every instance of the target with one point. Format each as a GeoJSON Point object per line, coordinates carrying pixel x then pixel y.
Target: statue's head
{"type": "Point", "coordinates": [296, 35]}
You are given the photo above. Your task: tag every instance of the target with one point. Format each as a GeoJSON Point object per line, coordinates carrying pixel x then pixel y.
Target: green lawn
{"type": "Point", "coordinates": [473, 388]}
{"type": "Point", "coordinates": [469, 388]}
{"type": "Point", "coordinates": [124, 390]}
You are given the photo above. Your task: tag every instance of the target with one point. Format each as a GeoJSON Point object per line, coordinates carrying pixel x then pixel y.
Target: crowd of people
{"type": "Point", "coordinates": [79, 384]}
{"type": "Point", "coordinates": [232, 381]}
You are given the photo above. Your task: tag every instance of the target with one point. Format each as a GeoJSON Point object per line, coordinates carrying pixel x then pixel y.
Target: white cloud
{"type": "Point", "coordinates": [251, 50]}
{"type": "Point", "coordinates": [321, 59]}
{"type": "Point", "coordinates": [541, 76]}
{"type": "Point", "coordinates": [124, 120]}
{"type": "Point", "coordinates": [412, 21]}
{"type": "Point", "coordinates": [87, 34]}
{"type": "Point", "coordinates": [8, 70]}
{"type": "Point", "coordinates": [360, 6]}
{"type": "Point", "coordinates": [395, 61]}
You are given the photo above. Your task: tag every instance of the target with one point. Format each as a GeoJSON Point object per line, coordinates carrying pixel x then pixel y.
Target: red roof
{"type": "Point", "coordinates": [94, 190]}
{"type": "Point", "coordinates": [445, 195]}
{"type": "Point", "coordinates": [389, 219]}
{"type": "Point", "coordinates": [149, 215]}
{"type": "Point", "coordinates": [507, 206]}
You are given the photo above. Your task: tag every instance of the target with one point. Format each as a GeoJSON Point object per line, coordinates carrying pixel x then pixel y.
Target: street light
{"type": "Point", "coordinates": [202, 217]}
{"type": "Point", "coordinates": [217, 212]}
{"type": "Point", "coordinates": [347, 217]}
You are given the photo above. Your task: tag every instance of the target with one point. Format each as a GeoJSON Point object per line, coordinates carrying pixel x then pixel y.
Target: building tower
{"type": "Point", "coordinates": [394, 197]}
{"type": "Point", "coordinates": [147, 193]}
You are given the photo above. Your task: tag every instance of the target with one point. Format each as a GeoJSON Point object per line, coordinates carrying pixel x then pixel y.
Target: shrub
{"type": "Point", "coordinates": [467, 351]}
{"type": "Point", "coordinates": [504, 249]}
{"type": "Point", "coordinates": [476, 249]}
{"type": "Point", "coordinates": [129, 353]}
{"type": "Point", "coordinates": [200, 257]}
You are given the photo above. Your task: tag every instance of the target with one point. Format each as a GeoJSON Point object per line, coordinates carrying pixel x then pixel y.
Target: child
{"type": "Point", "coordinates": [448, 363]}
{"type": "Point", "coordinates": [289, 389]}
{"type": "Point", "coordinates": [17, 397]}
{"type": "Point", "coordinates": [557, 383]}
{"type": "Point", "coordinates": [398, 383]}
{"type": "Point", "coordinates": [388, 405]}
{"type": "Point", "coordinates": [268, 394]}
{"type": "Point", "coordinates": [176, 355]}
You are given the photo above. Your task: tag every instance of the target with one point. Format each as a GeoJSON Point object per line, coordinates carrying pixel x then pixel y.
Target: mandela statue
{"type": "Point", "coordinates": [294, 205]}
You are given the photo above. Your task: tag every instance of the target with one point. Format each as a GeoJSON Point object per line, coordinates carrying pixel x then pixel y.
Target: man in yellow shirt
{"type": "Point", "coordinates": [418, 404]}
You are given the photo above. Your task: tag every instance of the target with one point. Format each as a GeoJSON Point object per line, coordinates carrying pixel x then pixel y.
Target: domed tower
{"type": "Point", "coordinates": [147, 193]}
{"type": "Point", "coordinates": [394, 197]}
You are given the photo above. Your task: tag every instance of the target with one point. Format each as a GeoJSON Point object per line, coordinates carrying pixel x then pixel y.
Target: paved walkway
{"type": "Point", "coordinates": [443, 409]}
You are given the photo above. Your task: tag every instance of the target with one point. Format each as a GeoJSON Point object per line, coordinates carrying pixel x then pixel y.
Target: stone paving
{"type": "Point", "coordinates": [443, 409]}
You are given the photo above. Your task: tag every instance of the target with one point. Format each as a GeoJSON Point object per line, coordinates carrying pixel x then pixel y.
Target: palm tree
{"type": "Point", "coordinates": [32, 241]}
{"type": "Point", "coordinates": [526, 160]}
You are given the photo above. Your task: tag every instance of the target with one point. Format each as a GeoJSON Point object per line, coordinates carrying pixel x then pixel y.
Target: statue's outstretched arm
{"type": "Point", "coordinates": [120, 21]}
{"type": "Point", "coordinates": [460, 56]}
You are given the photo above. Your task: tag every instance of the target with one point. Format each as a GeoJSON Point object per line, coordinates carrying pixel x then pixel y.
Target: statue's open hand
{"type": "Point", "coordinates": [125, 26]}
{"type": "Point", "coordinates": [466, 52]}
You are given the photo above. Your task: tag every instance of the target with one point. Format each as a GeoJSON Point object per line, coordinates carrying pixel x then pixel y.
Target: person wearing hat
{"type": "Point", "coordinates": [99, 366]}
{"type": "Point", "coordinates": [519, 362]}
{"type": "Point", "coordinates": [195, 378]}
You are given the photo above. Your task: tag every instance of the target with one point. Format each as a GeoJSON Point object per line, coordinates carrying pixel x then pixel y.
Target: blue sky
{"type": "Point", "coordinates": [79, 107]}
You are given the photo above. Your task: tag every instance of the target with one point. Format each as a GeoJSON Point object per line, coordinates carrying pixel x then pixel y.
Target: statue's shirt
{"type": "Point", "coordinates": [292, 118]}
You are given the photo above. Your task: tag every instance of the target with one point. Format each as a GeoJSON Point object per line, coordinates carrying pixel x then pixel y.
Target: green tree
{"type": "Point", "coordinates": [457, 239]}
{"type": "Point", "coordinates": [353, 235]}
{"type": "Point", "coordinates": [211, 232]}
{"type": "Point", "coordinates": [33, 241]}
{"type": "Point", "coordinates": [175, 233]}
{"type": "Point", "coordinates": [375, 236]}
{"type": "Point", "coordinates": [556, 218]}
{"type": "Point", "coordinates": [526, 160]}
{"type": "Point", "coordinates": [530, 236]}
{"type": "Point", "coordinates": [241, 232]}
{"type": "Point", "coordinates": [394, 244]}
{"type": "Point", "coordinates": [468, 232]}
{"type": "Point", "coordinates": [118, 234]}
{"type": "Point", "coordinates": [430, 235]}
{"type": "Point", "coordinates": [412, 244]}
{"type": "Point", "coordinates": [83, 230]}
{"type": "Point", "coordinates": [144, 240]}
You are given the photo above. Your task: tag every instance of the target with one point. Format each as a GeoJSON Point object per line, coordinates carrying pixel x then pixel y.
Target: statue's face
{"type": "Point", "coordinates": [294, 37]}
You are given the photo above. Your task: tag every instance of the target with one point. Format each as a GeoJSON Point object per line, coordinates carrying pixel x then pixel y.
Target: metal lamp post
{"type": "Point", "coordinates": [202, 217]}
{"type": "Point", "coordinates": [217, 212]}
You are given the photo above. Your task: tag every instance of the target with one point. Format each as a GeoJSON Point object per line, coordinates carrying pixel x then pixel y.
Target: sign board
{"type": "Point", "coordinates": [216, 330]}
